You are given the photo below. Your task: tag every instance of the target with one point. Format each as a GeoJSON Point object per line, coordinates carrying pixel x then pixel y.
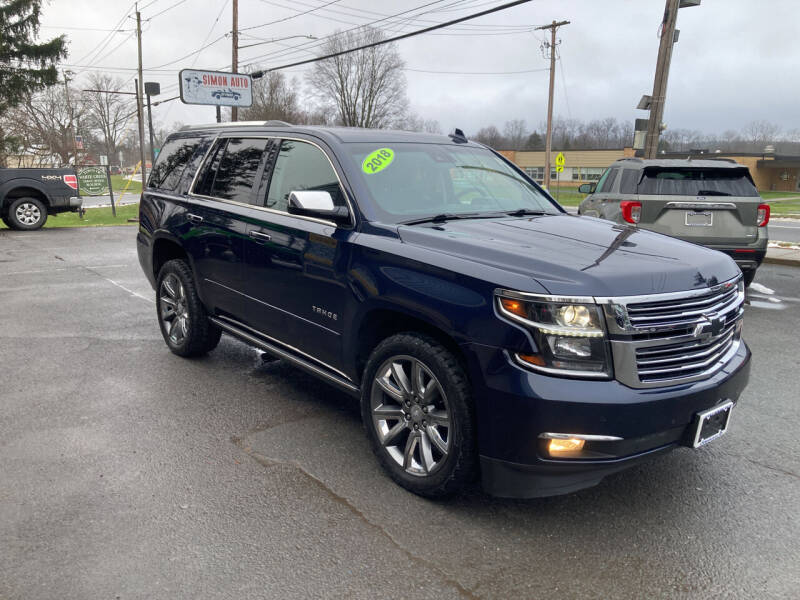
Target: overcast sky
{"type": "Point", "coordinates": [736, 61]}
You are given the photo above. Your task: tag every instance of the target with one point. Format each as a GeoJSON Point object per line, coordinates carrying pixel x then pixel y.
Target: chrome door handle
{"type": "Point", "coordinates": [260, 237]}
{"type": "Point", "coordinates": [194, 218]}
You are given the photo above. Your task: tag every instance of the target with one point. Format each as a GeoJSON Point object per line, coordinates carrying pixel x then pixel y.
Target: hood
{"type": "Point", "coordinates": [574, 255]}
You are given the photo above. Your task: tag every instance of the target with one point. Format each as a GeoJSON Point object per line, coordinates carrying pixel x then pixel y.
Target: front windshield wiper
{"type": "Point", "coordinates": [488, 170]}
{"type": "Point", "coordinates": [442, 217]}
{"type": "Point", "coordinates": [522, 212]}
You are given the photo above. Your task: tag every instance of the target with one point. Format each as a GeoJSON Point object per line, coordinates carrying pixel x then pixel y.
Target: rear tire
{"type": "Point", "coordinates": [181, 316]}
{"type": "Point", "coordinates": [26, 214]}
{"type": "Point", "coordinates": [748, 277]}
{"type": "Point", "coordinates": [416, 407]}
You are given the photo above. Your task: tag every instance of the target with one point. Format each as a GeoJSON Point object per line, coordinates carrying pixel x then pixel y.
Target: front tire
{"type": "Point", "coordinates": [416, 406]}
{"type": "Point", "coordinates": [26, 214]}
{"type": "Point", "coordinates": [181, 315]}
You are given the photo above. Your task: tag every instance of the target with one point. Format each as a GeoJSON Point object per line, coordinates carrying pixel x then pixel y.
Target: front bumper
{"type": "Point", "coordinates": [514, 406]}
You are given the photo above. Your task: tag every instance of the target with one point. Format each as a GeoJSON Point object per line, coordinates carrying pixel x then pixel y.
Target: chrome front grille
{"type": "Point", "coordinates": [668, 339]}
{"type": "Point", "coordinates": [663, 363]}
{"type": "Point", "coordinates": [681, 311]}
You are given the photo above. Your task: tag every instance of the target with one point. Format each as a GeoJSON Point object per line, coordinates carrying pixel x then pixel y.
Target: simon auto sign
{"type": "Point", "coordinates": [215, 88]}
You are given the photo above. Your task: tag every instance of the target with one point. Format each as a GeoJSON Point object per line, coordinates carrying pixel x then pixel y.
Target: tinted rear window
{"type": "Point", "coordinates": [172, 160]}
{"type": "Point", "coordinates": [232, 168]}
{"type": "Point", "coordinates": [696, 182]}
{"type": "Point", "coordinates": [608, 182]}
{"type": "Point", "coordinates": [630, 177]}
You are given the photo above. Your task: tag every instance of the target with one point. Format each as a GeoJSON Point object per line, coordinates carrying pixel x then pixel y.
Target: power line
{"type": "Point", "coordinates": [394, 22]}
{"type": "Point", "coordinates": [210, 31]}
{"type": "Point", "coordinates": [158, 14]}
{"type": "Point", "coordinates": [402, 36]}
{"type": "Point", "coordinates": [358, 14]}
{"type": "Point", "coordinates": [105, 41]}
{"type": "Point", "coordinates": [300, 14]}
{"type": "Point", "coordinates": [321, 41]}
{"type": "Point", "coordinates": [475, 72]}
{"type": "Point", "coordinates": [60, 27]}
{"type": "Point", "coordinates": [200, 49]}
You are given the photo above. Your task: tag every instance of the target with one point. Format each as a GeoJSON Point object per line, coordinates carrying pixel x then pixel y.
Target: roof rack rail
{"type": "Point", "coordinates": [270, 123]}
{"type": "Point", "coordinates": [724, 159]}
{"type": "Point", "coordinates": [633, 158]}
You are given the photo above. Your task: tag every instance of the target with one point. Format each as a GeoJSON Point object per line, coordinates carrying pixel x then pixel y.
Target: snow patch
{"type": "Point", "coordinates": [757, 287]}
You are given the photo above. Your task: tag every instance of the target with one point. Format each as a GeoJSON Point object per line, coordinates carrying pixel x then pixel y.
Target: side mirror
{"type": "Point", "coordinates": [312, 203]}
{"type": "Point", "coordinates": [587, 188]}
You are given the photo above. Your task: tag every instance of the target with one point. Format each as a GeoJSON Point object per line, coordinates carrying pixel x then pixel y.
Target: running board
{"type": "Point", "coordinates": [286, 355]}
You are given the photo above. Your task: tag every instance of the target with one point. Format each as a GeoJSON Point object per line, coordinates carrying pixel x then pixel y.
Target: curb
{"type": "Point", "coordinates": [780, 260]}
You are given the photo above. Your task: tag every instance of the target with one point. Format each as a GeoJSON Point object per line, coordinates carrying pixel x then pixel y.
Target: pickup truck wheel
{"type": "Point", "coordinates": [417, 409]}
{"type": "Point", "coordinates": [181, 316]}
{"type": "Point", "coordinates": [27, 214]}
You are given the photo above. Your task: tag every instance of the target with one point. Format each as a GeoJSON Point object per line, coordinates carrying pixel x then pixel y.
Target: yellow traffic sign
{"type": "Point", "coordinates": [559, 168]}
{"type": "Point", "coordinates": [560, 160]}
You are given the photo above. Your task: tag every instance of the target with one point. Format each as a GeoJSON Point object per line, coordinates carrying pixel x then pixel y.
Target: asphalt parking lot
{"type": "Point", "coordinates": [127, 472]}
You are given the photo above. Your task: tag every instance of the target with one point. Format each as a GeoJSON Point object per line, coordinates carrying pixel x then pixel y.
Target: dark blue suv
{"type": "Point", "coordinates": [485, 331]}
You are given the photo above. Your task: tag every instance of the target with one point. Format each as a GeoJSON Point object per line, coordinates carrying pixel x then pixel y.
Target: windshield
{"type": "Point", "coordinates": [410, 181]}
{"type": "Point", "coordinates": [697, 182]}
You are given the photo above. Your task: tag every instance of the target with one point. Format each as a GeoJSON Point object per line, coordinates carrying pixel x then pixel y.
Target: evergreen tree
{"type": "Point", "coordinates": [25, 66]}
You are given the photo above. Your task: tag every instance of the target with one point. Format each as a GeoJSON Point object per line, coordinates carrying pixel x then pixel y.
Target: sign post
{"type": "Point", "coordinates": [111, 191]}
{"type": "Point", "coordinates": [560, 160]}
{"type": "Point", "coordinates": [215, 88]}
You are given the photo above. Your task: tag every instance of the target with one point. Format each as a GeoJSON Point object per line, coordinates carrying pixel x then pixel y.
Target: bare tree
{"type": "Point", "coordinates": [413, 122]}
{"type": "Point", "coordinates": [45, 122]}
{"type": "Point", "coordinates": [274, 98]}
{"type": "Point", "coordinates": [106, 113]}
{"type": "Point", "coordinates": [367, 88]}
{"type": "Point", "coordinates": [761, 133]}
{"type": "Point", "coordinates": [516, 134]}
{"type": "Point", "coordinates": [491, 136]}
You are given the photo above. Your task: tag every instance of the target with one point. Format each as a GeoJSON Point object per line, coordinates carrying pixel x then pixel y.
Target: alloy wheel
{"type": "Point", "coordinates": [174, 309]}
{"type": "Point", "coordinates": [28, 213]}
{"type": "Point", "coordinates": [411, 415]}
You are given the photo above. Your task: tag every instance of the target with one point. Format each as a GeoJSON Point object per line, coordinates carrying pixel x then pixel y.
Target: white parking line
{"type": "Point", "coordinates": [119, 285]}
{"type": "Point", "coordinates": [65, 269]}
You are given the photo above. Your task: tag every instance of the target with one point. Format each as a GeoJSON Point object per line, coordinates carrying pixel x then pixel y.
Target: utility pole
{"type": "Point", "coordinates": [235, 52]}
{"type": "Point", "coordinates": [548, 145]}
{"type": "Point", "coordinates": [139, 98]}
{"type": "Point", "coordinates": [660, 81]}
{"type": "Point", "coordinates": [72, 130]}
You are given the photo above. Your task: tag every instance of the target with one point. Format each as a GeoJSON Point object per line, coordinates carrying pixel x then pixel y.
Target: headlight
{"type": "Point", "coordinates": [570, 337]}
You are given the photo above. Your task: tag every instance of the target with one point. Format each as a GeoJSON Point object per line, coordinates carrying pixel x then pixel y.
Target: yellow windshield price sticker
{"type": "Point", "coordinates": [377, 161]}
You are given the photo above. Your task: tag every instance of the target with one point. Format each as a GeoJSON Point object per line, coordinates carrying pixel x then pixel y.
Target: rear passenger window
{"type": "Point", "coordinates": [171, 162]}
{"type": "Point", "coordinates": [231, 170]}
{"type": "Point", "coordinates": [301, 166]}
{"type": "Point", "coordinates": [630, 178]}
{"type": "Point", "coordinates": [608, 182]}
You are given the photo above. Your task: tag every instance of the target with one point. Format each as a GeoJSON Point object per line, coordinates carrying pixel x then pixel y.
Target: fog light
{"type": "Point", "coordinates": [566, 445]}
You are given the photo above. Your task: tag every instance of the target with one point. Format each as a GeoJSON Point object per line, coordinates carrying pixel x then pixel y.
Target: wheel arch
{"type": "Point", "coordinates": [22, 189]}
{"type": "Point", "coordinates": [165, 248]}
{"type": "Point", "coordinates": [380, 323]}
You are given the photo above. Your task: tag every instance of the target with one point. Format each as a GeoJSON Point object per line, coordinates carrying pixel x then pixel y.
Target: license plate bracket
{"type": "Point", "coordinates": [704, 218]}
{"type": "Point", "coordinates": [711, 424]}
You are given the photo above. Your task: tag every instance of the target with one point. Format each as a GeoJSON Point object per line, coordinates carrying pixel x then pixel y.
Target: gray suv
{"type": "Point", "coordinates": [713, 203]}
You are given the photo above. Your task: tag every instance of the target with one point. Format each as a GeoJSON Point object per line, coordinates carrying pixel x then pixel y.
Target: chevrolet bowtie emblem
{"type": "Point", "coordinates": [710, 326]}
